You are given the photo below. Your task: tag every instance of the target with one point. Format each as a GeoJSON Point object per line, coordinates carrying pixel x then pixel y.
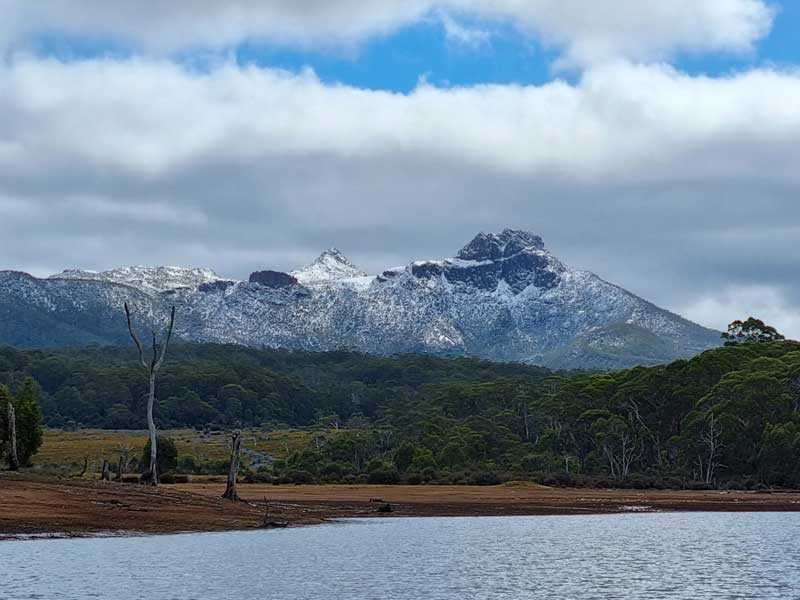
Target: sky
{"type": "Point", "coordinates": [656, 144]}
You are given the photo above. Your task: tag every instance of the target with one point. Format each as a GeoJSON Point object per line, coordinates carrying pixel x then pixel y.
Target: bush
{"type": "Point", "coordinates": [175, 478]}
{"type": "Point", "coordinates": [258, 477]}
{"type": "Point", "coordinates": [166, 456]}
{"type": "Point", "coordinates": [300, 477]}
{"type": "Point", "coordinates": [384, 474]}
{"type": "Point", "coordinates": [484, 478]}
{"type": "Point", "coordinates": [428, 474]}
{"type": "Point", "coordinates": [561, 480]}
{"type": "Point", "coordinates": [413, 479]}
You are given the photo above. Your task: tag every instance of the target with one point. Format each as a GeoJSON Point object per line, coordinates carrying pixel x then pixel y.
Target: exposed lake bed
{"type": "Point", "coordinates": [44, 506]}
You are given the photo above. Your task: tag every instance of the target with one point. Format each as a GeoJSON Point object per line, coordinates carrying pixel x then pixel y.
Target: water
{"type": "Point", "coordinates": [689, 556]}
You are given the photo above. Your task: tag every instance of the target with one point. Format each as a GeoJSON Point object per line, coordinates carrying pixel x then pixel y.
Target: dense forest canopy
{"type": "Point", "coordinates": [728, 415]}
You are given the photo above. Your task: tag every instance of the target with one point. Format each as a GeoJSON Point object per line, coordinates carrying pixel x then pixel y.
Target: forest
{"type": "Point", "coordinates": [729, 417]}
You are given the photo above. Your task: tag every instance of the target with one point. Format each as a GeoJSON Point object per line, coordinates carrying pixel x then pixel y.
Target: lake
{"type": "Point", "coordinates": [643, 556]}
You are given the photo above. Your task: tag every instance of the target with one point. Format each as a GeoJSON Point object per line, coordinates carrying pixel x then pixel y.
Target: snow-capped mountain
{"type": "Point", "coordinates": [148, 279]}
{"type": "Point", "coordinates": [330, 266]}
{"type": "Point", "coordinates": [502, 296]}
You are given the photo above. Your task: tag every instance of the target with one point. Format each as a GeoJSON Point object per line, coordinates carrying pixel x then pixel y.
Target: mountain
{"type": "Point", "coordinates": [502, 296]}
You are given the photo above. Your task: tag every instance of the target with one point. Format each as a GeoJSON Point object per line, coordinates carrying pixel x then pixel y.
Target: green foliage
{"type": "Point", "coordinates": [730, 416]}
{"type": "Point", "coordinates": [28, 417]}
{"type": "Point", "coordinates": [29, 421]}
{"type": "Point", "coordinates": [166, 456]}
{"type": "Point", "coordinates": [751, 330]}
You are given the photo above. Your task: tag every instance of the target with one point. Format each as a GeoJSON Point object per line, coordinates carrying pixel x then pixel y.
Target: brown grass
{"type": "Point", "coordinates": [65, 448]}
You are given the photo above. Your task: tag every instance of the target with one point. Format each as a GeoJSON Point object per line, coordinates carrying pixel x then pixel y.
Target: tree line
{"type": "Point", "coordinates": [728, 417]}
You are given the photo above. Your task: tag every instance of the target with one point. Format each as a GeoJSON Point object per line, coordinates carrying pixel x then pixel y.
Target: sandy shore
{"type": "Point", "coordinates": [39, 505]}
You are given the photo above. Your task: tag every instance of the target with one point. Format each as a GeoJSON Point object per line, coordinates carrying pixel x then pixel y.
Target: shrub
{"type": "Point", "coordinates": [413, 479]}
{"type": "Point", "coordinates": [166, 456]}
{"type": "Point", "coordinates": [484, 478]}
{"type": "Point", "coordinates": [385, 473]}
{"type": "Point", "coordinates": [258, 477]}
{"type": "Point", "coordinates": [299, 477]}
{"type": "Point", "coordinates": [176, 478]}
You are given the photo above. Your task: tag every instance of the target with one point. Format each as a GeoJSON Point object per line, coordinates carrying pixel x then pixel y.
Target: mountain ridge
{"type": "Point", "coordinates": [502, 296]}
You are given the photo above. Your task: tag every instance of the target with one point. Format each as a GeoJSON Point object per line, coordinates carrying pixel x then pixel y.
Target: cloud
{"type": "Point", "coordinates": [674, 186]}
{"type": "Point", "coordinates": [461, 35]}
{"type": "Point", "coordinates": [767, 303]}
{"type": "Point", "coordinates": [587, 31]}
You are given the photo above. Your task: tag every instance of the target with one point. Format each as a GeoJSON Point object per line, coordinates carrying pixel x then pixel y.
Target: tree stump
{"type": "Point", "coordinates": [233, 470]}
{"type": "Point", "coordinates": [105, 472]}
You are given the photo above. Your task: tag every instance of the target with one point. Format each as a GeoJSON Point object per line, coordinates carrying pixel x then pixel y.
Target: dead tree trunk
{"type": "Point", "coordinates": [13, 459]}
{"type": "Point", "coordinates": [152, 370]}
{"type": "Point", "coordinates": [85, 466]}
{"type": "Point", "coordinates": [151, 426]}
{"type": "Point", "coordinates": [233, 470]}
{"type": "Point", "coordinates": [120, 468]}
{"type": "Point", "coordinates": [105, 472]}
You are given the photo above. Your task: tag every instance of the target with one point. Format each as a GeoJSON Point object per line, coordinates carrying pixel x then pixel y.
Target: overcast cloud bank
{"type": "Point", "coordinates": [681, 188]}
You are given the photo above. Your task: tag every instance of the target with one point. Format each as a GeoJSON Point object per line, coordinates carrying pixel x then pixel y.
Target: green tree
{"type": "Point", "coordinates": [29, 421]}
{"type": "Point", "coordinates": [751, 330]}
{"type": "Point", "coordinates": [404, 456]}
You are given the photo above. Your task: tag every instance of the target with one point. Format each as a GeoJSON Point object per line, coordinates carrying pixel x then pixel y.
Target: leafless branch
{"type": "Point", "coordinates": [133, 336]}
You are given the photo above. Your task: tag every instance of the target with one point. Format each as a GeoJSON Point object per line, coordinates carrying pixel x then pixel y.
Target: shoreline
{"type": "Point", "coordinates": [38, 507]}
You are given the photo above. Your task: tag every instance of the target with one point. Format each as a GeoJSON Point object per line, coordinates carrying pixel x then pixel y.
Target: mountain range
{"type": "Point", "coordinates": [502, 297]}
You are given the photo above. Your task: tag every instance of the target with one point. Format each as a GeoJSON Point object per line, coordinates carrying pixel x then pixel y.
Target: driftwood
{"type": "Point", "coordinates": [13, 459]}
{"type": "Point", "coordinates": [233, 469]}
{"type": "Point", "coordinates": [152, 369]}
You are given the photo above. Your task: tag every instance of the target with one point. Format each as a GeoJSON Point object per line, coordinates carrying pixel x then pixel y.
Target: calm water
{"type": "Point", "coordinates": [689, 556]}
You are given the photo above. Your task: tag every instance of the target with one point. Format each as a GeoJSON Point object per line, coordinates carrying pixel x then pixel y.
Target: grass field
{"type": "Point", "coordinates": [70, 448]}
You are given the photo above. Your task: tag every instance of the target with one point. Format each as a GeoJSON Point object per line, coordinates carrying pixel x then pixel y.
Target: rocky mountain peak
{"type": "Point", "coordinates": [491, 246]}
{"type": "Point", "coordinates": [328, 266]}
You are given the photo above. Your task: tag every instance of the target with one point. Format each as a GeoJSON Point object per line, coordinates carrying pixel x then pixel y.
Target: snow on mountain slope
{"type": "Point", "coordinates": [330, 266]}
{"type": "Point", "coordinates": [503, 296]}
{"type": "Point", "coordinates": [149, 279]}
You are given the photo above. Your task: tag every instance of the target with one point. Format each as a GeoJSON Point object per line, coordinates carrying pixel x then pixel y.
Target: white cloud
{"type": "Point", "coordinates": [588, 31]}
{"type": "Point", "coordinates": [461, 35]}
{"type": "Point", "coordinates": [671, 185]}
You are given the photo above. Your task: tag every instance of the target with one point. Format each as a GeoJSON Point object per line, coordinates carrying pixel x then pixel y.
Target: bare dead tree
{"type": "Point", "coordinates": [13, 459]}
{"type": "Point", "coordinates": [152, 369]}
{"type": "Point", "coordinates": [233, 469]}
{"type": "Point", "coordinates": [710, 438]}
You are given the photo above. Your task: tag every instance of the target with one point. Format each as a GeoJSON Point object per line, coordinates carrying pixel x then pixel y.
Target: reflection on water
{"type": "Point", "coordinates": [644, 556]}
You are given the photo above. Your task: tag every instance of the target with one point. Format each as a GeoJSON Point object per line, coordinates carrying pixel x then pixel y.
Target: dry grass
{"type": "Point", "coordinates": [68, 448]}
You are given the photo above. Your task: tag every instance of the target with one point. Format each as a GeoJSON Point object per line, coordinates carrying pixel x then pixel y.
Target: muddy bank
{"type": "Point", "coordinates": [37, 505]}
